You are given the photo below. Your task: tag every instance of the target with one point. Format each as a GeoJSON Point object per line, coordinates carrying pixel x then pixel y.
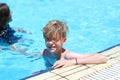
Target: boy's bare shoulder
{"type": "Point", "coordinates": [42, 52]}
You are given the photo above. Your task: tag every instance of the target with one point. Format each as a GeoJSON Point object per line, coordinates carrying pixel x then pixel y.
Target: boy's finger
{"type": "Point", "coordinates": [57, 66]}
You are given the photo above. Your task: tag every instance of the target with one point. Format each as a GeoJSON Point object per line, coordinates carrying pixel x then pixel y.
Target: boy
{"type": "Point", "coordinates": [56, 56]}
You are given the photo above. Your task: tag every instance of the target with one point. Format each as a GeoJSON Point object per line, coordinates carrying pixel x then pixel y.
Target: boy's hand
{"type": "Point", "coordinates": [64, 63]}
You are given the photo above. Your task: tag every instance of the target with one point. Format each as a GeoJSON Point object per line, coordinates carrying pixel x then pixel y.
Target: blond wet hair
{"type": "Point", "coordinates": [55, 30]}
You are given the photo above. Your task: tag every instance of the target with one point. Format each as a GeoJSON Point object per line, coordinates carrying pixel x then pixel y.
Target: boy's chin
{"type": "Point", "coordinates": [52, 51]}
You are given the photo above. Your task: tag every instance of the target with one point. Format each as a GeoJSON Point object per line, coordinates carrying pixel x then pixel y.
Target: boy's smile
{"type": "Point", "coordinates": [51, 47]}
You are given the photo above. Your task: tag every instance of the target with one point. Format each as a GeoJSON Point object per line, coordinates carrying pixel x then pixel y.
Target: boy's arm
{"type": "Point", "coordinates": [91, 59]}
{"type": "Point", "coordinates": [87, 58]}
{"type": "Point", "coordinates": [80, 59]}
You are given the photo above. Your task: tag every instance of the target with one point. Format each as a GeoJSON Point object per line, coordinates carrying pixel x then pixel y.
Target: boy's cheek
{"type": "Point", "coordinates": [47, 45]}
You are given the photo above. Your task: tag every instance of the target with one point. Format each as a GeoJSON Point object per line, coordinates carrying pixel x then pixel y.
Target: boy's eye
{"type": "Point", "coordinates": [47, 39]}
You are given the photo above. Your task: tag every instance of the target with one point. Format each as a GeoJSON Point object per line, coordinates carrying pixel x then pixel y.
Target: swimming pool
{"type": "Point", "coordinates": [93, 26]}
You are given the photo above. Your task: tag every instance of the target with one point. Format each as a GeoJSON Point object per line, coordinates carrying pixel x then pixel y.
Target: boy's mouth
{"type": "Point", "coordinates": [52, 48]}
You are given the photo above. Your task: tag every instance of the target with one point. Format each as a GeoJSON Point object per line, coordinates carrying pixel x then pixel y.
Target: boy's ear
{"type": "Point", "coordinates": [64, 40]}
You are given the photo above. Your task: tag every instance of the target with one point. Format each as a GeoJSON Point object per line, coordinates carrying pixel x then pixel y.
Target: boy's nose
{"type": "Point", "coordinates": [51, 43]}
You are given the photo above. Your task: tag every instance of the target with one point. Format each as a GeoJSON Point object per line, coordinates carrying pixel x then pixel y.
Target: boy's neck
{"type": "Point", "coordinates": [60, 53]}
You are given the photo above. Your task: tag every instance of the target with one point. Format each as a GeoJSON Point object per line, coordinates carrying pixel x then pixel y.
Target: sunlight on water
{"type": "Point", "coordinates": [93, 26]}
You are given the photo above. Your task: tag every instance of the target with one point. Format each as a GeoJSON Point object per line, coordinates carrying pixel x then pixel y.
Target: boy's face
{"type": "Point", "coordinates": [55, 46]}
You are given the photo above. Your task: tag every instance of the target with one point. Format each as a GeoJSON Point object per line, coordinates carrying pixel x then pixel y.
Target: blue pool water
{"type": "Point", "coordinates": [93, 26]}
